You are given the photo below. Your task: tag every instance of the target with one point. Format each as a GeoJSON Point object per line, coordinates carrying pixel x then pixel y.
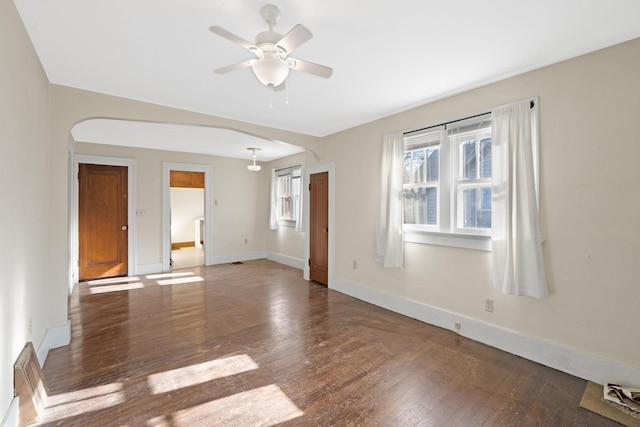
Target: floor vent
{"type": "Point", "coordinates": [236, 263]}
{"type": "Point", "coordinates": [30, 386]}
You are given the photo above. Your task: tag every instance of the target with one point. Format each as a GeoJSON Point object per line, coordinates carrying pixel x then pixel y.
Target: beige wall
{"type": "Point", "coordinates": [25, 286]}
{"type": "Point", "coordinates": [240, 212]}
{"type": "Point", "coordinates": [286, 240]}
{"type": "Point", "coordinates": [590, 204]}
{"type": "Point", "coordinates": [589, 197]}
{"type": "Point", "coordinates": [71, 106]}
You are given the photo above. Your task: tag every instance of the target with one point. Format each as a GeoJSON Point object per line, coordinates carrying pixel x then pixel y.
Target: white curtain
{"type": "Point", "coordinates": [297, 202]}
{"type": "Point", "coordinates": [518, 267]}
{"type": "Point", "coordinates": [389, 239]}
{"type": "Point", "coordinates": [273, 212]}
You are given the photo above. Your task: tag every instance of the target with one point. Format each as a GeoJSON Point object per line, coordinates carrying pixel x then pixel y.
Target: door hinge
{"type": "Point", "coordinates": [309, 186]}
{"type": "Point", "coordinates": [309, 261]}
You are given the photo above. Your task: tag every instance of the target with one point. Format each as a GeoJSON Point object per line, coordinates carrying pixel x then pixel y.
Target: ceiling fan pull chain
{"type": "Point", "coordinates": [270, 98]}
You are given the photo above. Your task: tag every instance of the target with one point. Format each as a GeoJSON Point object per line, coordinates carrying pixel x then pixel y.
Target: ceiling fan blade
{"type": "Point", "coordinates": [294, 38]}
{"type": "Point", "coordinates": [229, 68]}
{"type": "Point", "coordinates": [232, 37]}
{"type": "Point", "coordinates": [311, 68]}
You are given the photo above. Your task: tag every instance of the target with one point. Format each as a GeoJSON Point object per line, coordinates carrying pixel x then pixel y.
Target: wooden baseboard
{"type": "Point", "coordinates": [30, 387]}
{"type": "Point", "coordinates": [178, 245]}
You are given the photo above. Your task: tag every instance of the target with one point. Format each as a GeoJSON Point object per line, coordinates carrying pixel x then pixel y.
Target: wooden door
{"type": "Point", "coordinates": [319, 227]}
{"type": "Point", "coordinates": [102, 221]}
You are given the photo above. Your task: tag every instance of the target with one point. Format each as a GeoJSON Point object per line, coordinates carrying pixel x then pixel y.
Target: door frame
{"type": "Point", "coordinates": [167, 167]}
{"type": "Point", "coordinates": [130, 164]}
{"type": "Point", "coordinates": [311, 170]}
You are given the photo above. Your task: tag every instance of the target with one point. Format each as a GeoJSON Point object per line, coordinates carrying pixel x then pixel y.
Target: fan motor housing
{"type": "Point", "coordinates": [268, 37]}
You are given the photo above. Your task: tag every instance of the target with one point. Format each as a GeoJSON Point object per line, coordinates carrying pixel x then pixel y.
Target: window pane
{"type": "Point", "coordinates": [469, 162]}
{"type": "Point", "coordinates": [420, 206]}
{"type": "Point", "coordinates": [407, 168]}
{"type": "Point", "coordinates": [476, 208]}
{"type": "Point", "coordinates": [295, 196]}
{"type": "Point", "coordinates": [418, 166]}
{"type": "Point", "coordinates": [285, 208]}
{"type": "Point", "coordinates": [485, 158]}
{"type": "Point", "coordinates": [284, 185]}
{"type": "Point", "coordinates": [433, 164]}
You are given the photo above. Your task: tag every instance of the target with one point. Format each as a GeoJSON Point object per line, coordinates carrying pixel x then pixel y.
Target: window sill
{"type": "Point", "coordinates": [466, 241]}
{"type": "Point", "coordinates": [286, 223]}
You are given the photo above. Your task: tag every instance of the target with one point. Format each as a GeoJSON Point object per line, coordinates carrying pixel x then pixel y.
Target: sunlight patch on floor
{"type": "Point", "coordinates": [113, 280]}
{"type": "Point", "coordinates": [116, 288]}
{"type": "Point", "coordinates": [263, 406]}
{"type": "Point", "coordinates": [180, 281]}
{"type": "Point", "coordinates": [200, 373]}
{"type": "Point", "coordinates": [67, 405]}
{"type": "Point", "coordinates": [169, 275]}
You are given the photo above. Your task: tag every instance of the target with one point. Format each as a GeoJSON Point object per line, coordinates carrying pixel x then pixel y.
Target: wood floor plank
{"type": "Point", "coordinates": [254, 344]}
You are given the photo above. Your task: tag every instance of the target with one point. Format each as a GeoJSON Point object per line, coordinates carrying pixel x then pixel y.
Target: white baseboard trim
{"type": "Point", "coordinates": [11, 417]}
{"type": "Point", "coordinates": [155, 268]}
{"type": "Point", "coordinates": [286, 260]}
{"type": "Point", "coordinates": [566, 359]}
{"type": "Point", "coordinates": [55, 337]}
{"type": "Point", "coordinates": [237, 257]}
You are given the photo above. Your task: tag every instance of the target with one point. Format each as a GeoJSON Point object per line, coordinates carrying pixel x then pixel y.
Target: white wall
{"type": "Point", "coordinates": [589, 207]}
{"type": "Point", "coordinates": [187, 204]}
{"type": "Point", "coordinates": [25, 285]}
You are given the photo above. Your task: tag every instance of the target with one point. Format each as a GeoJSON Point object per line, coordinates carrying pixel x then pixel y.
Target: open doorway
{"type": "Point", "coordinates": [202, 183]}
{"type": "Point", "coordinates": [186, 194]}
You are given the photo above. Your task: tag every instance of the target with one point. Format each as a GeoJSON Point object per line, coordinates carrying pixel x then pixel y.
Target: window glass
{"type": "Point", "coordinates": [462, 196]}
{"type": "Point", "coordinates": [421, 179]}
{"type": "Point", "coordinates": [473, 181]}
{"type": "Point", "coordinates": [433, 162]}
{"type": "Point", "coordinates": [469, 159]}
{"type": "Point", "coordinates": [485, 158]}
{"type": "Point", "coordinates": [288, 192]}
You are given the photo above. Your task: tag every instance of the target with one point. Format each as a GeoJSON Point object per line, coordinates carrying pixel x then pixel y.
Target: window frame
{"type": "Point", "coordinates": [446, 233]}
{"type": "Point", "coordinates": [424, 141]}
{"type": "Point", "coordinates": [458, 182]}
{"type": "Point", "coordinates": [293, 173]}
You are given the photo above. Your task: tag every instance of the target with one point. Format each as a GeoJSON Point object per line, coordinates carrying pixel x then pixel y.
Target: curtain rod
{"type": "Point", "coordinates": [454, 121]}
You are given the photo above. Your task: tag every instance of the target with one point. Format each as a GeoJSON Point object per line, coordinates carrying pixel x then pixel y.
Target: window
{"type": "Point", "coordinates": [421, 179]}
{"type": "Point", "coordinates": [472, 180]}
{"type": "Point", "coordinates": [447, 179]}
{"type": "Point", "coordinates": [288, 183]}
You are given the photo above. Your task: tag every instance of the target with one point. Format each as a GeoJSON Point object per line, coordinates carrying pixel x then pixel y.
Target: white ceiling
{"type": "Point", "coordinates": [387, 56]}
{"type": "Point", "coordinates": [190, 139]}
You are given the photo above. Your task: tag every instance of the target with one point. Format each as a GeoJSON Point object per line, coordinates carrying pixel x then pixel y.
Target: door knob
{"type": "Point", "coordinates": [124, 227]}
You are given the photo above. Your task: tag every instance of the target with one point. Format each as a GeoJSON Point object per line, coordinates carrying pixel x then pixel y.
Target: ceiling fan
{"type": "Point", "coordinates": [272, 63]}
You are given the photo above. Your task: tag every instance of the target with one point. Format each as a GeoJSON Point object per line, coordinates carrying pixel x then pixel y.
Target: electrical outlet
{"type": "Point", "coordinates": [457, 326]}
{"type": "Point", "coordinates": [355, 265]}
{"type": "Point", "coordinates": [246, 241]}
{"type": "Point", "coordinates": [488, 305]}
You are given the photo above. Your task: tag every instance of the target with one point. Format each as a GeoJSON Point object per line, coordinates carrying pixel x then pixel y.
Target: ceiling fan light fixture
{"type": "Point", "coordinates": [253, 167]}
{"type": "Point", "coordinates": [271, 70]}
{"type": "Point", "coordinates": [272, 65]}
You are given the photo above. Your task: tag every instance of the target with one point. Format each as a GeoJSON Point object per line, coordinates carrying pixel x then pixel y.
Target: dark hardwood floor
{"type": "Point", "coordinates": [255, 344]}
